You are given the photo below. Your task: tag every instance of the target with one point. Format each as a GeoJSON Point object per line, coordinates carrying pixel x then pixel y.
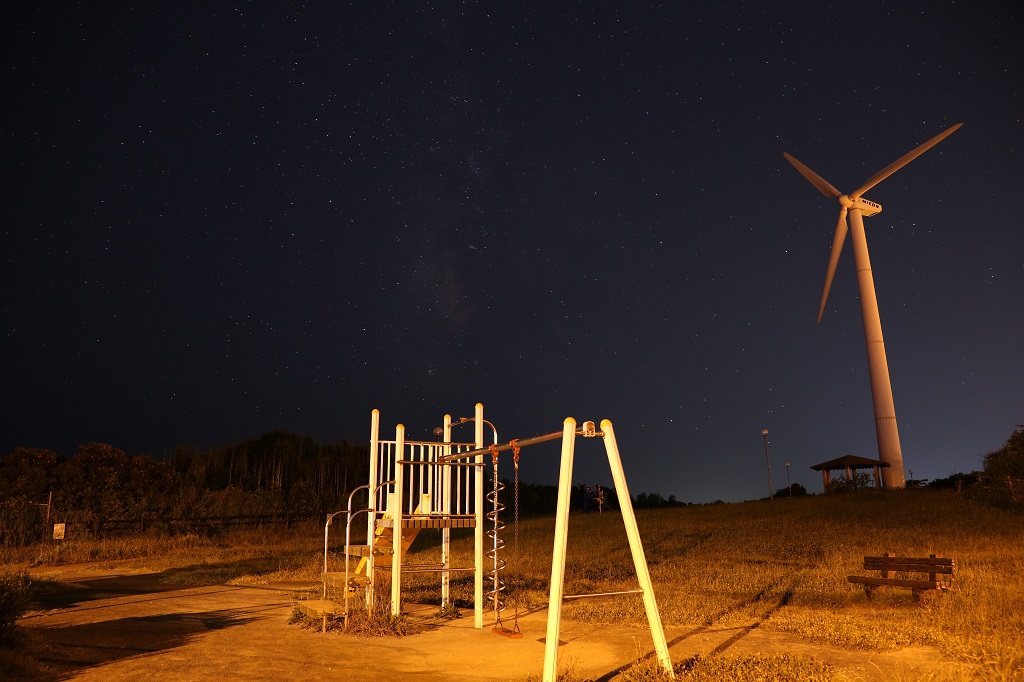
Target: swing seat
{"type": "Point", "coordinates": [505, 632]}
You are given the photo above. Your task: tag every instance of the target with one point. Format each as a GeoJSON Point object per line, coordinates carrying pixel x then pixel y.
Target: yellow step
{"type": "Point", "coordinates": [379, 549]}
{"type": "Point", "coordinates": [318, 608]}
{"type": "Point", "coordinates": [383, 535]}
{"type": "Point", "coordinates": [337, 579]}
{"type": "Point", "coordinates": [383, 546]}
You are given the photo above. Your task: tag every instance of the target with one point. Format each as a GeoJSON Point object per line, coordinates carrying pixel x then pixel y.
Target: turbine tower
{"type": "Point", "coordinates": [858, 208]}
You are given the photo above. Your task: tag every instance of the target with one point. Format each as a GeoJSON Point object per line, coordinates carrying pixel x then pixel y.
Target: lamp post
{"type": "Point", "coordinates": [764, 434]}
{"type": "Point", "coordinates": [788, 484]}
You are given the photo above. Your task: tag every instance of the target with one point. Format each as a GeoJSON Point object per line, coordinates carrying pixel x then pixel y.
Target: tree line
{"type": "Point", "coordinates": [277, 473]}
{"type": "Point", "coordinates": [282, 473]}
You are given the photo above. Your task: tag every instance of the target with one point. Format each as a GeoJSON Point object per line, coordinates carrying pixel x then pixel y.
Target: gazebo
{"type": "Point", "coordinates": [849, 464]}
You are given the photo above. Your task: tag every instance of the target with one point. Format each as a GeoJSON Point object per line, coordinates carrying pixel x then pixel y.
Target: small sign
{"type": "Point", "coordinates": [58, 531]}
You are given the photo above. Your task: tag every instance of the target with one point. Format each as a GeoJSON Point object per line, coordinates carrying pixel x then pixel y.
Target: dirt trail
{"type": "Point", "coordinates": [118, 625]}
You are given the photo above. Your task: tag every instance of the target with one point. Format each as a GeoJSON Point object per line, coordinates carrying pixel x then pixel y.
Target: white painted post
{"type": "Point", "coordinates": [446, 494]}
{"type": "Point", "coordinates": [558, 552]}
{"type": "Point", "coordinates": [478, 535]}
{"type": "Point", "coordinates": [371, 516]}
{"type": "Point", "coordinates": [396, 529]}
{"type": "Point", "coordinates": [639, 559]}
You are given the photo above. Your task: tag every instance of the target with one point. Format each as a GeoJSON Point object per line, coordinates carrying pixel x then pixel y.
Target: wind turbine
{"type": "Point", "coordinates": [858, 208]}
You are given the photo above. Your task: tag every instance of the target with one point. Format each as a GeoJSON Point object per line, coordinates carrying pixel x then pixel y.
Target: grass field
{"type": "Point", "coordinates": [779, 564]}
{"type": "Point", "coordinates": [783, 564]}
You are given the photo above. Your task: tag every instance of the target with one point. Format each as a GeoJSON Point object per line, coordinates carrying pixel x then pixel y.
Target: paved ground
{"type": "Point", "coordinates": [128, 626]}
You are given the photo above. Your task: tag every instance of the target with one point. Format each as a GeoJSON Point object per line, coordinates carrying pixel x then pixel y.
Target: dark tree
{"type": "Point", "coordinates": [1003, 474]}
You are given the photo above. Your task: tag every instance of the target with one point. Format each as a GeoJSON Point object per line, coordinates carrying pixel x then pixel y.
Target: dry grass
{"type": "Point", "coordinates": [377, 622]}
{"type": "Point", "coordinates": [783, 565]}
{"type": "Point", "coordinates": [246, 556]}
{"type": "Point", "coordinates": [780, 564]}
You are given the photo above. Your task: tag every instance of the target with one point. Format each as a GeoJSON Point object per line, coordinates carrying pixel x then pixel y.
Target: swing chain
{"type": "Point", "coordinates": [515, 542]}
{"type": "Point", "coordinates": [515, 506]}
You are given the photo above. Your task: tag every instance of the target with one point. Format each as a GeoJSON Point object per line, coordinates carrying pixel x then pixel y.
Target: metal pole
{"type": "Point", "coordinates": [348, 540]}
{"type": "Point", "coordinates": [371, 503]}
{"type": "Point", "coordinates": [636, 547]}
{"type": "Point", "coordinates": [558, 551]}
{"type": "Point", "coordinates": [396, 519]}
{"type": "Point", "coordinates": [478, 510]}
{"type": "Point", "coordinates": [771, 493]}
{"type": "Point", "coordinates": [522, 443]}
{"type": "Point", "coordinates": [788, 484]}
{"type": "Point", "coordinates": [327, 526]}
{"type": "Point", "coordinates": [446, 502]}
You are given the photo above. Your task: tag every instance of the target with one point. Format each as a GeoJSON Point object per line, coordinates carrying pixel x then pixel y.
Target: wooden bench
{"type": "Point", "coordinates": [939, 572]}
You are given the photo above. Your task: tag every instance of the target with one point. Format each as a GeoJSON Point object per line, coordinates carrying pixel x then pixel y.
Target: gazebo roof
{"type": "Point", "coordinates": [851, 461]}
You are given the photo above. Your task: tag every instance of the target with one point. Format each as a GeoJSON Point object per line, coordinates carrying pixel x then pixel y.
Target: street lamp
{"type": "Point", "coordinates": [788, 484]}
{"type": "Point", "coordinates": [764, 434]}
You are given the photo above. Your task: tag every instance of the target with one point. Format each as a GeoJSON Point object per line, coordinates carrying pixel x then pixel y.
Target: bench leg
{"type": "Point", "coordinates": [868, 590]}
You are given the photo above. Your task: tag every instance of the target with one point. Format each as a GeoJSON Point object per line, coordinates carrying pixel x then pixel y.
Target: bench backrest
{"type": "Point", "coordinates": [930, 564]}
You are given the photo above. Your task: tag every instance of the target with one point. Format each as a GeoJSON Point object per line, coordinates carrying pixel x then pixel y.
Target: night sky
{"type": "Point", "coordinates": [223, 219]}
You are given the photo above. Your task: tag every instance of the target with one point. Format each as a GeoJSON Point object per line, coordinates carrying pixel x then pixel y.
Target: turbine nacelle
{"type": "Point", "coordinates": [867, 208]}
{"type": "Point", "coordinates": [854, 200]}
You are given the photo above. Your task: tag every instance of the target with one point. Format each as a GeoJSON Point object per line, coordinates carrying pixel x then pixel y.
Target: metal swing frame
{"type": "Point", "coordinates": [473, 499]}
{"type": "Point", "coordinates": [558, 554]}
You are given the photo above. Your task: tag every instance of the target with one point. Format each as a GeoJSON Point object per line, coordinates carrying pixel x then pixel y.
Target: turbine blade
{"type": "Point", "coordinates": [823, 186]}
{"type": "Point", "coordinates": [833, 261]}
{"type": "Point", "coordinates": [903, 161]}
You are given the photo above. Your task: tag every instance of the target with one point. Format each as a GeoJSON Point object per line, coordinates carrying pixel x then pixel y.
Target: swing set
{"type": "Point", "coordinates": [416, 485]}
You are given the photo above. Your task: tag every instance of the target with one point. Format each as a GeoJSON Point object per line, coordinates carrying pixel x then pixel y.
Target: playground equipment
{"type": "Point", "coordinates": [416, 485]}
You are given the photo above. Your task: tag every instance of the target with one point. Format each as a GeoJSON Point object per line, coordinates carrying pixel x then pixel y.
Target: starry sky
{"type": "Point", "coordinates": [221, 219]}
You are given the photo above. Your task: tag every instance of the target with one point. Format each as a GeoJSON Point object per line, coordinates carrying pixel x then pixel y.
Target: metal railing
{"type": "Point", "coordinates": [428, 470]}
